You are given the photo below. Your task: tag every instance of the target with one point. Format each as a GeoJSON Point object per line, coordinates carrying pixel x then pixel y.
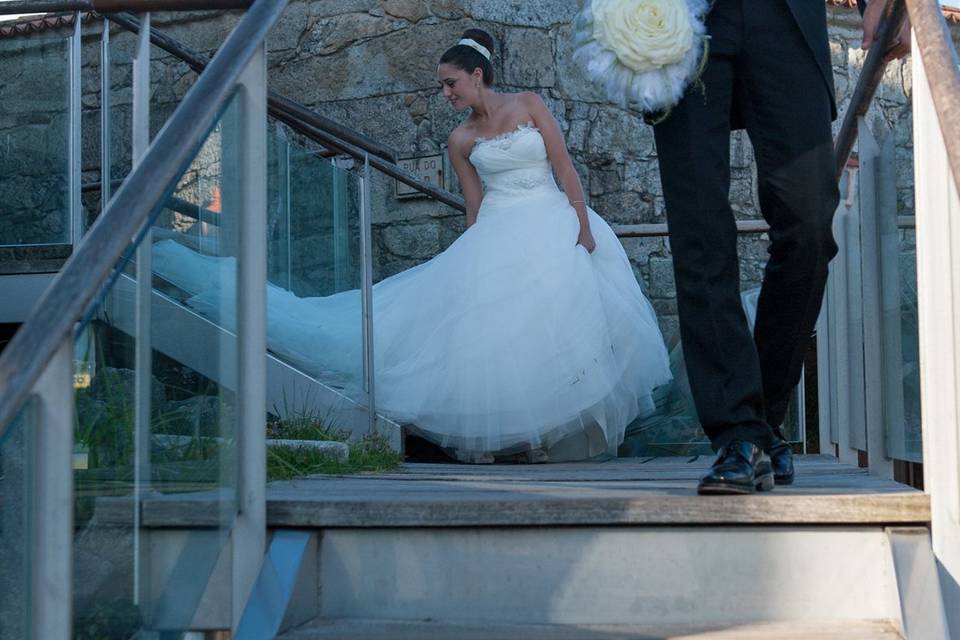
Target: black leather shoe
{"type": "Point", "coordinates": [781, 459]}
{"type": "Point", "coordinates": [740, 467]}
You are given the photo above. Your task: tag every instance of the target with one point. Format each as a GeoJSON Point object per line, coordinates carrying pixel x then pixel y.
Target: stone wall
{"type": "Point", "coordinates": [371, 64]}
{"type": "Point", "coordinates": [33, 140]}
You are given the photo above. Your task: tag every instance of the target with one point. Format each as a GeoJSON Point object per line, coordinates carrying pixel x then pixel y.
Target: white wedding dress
{"type": "Point", "coordinates": [513, 339]}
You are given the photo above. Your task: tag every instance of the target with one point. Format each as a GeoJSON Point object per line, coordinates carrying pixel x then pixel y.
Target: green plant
{"type": "Point", "coordinates": [371, 454]}
{"type": "Point", "coordinates": [303, 423]}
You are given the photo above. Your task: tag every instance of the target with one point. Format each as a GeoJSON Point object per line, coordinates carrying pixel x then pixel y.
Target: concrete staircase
{"type": "Point", "coordinates": [623, 549]}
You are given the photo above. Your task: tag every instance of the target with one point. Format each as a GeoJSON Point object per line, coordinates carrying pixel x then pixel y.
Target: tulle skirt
{"type": "Point", "coordinates": [513, 339]}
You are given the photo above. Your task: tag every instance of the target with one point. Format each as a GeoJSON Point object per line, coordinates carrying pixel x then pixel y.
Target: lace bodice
{"type": "Point", "coordinates": [513, 163]}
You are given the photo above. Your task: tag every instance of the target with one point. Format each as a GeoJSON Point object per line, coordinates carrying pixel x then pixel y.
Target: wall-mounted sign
{"type": "Point", "coordinates": [426, 168]}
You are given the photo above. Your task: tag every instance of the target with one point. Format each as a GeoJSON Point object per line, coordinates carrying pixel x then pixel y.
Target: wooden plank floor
{"type": "Point", "coordinates": [634, 491]}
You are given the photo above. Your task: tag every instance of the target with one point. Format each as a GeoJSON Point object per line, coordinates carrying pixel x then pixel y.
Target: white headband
{"type": "Point", "coordinates": [473, 44]}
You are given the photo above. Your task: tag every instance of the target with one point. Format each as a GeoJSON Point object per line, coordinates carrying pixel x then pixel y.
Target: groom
{"type": "Point", "coordinates": [769, 72]}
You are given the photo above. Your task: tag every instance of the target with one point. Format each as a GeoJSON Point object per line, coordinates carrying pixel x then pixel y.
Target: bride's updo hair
{"type": "Point", "coordinates": [467, 58]}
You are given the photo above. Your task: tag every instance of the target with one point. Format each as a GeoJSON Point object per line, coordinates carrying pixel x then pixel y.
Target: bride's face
{"type": "Point", "coordinates": [459, 87]}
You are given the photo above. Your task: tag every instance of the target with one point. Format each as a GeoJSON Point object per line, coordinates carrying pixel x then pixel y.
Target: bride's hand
{"type": "Point", "coordinates": [586, 240]}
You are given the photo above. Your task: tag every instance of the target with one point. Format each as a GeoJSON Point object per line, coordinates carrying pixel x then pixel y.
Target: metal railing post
{"type": "Point", "coordinates": [143, 358]}
{"type": "Point", "coordinates": [106, 102]}
{"type": "Point", "coordinates": [50, 462]}
{"type": "Point", "coordinates": [341, 230]}
{"type": "Point", "coordinates": [250, 527]}
{"type": "Point", "coordinates": [366, 275]}
{"type": "Point", "coordinates": [74, 206]}
{"type": "Point", "coordinates": [825, 374]}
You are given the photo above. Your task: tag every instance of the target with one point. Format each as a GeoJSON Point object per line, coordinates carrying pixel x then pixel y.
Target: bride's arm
{"type": "Point", "coordinates": [457, 148]}
{"type": "Point", "coordinates": [562, 164]}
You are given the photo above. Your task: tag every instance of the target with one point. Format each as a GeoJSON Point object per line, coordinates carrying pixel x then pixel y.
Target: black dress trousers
{"type": "Point", "coordinates": [765, 71]}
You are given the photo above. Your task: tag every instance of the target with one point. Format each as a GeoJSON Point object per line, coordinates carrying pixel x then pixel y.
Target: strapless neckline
{"type": "Point", "coordinates": [506, 135]}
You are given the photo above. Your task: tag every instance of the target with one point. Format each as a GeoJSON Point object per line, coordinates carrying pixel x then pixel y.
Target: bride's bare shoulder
{"type": "Point", "coordinates": [531, 101]}
{"type": "Point", "coordinates": [460, 138]}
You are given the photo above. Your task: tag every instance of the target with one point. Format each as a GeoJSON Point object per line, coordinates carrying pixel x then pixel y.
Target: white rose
{"type": "Point", "coordinates": [644, 34]}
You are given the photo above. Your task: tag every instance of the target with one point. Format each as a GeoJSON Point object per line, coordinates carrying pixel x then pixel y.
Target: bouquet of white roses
{"type": "Point", "coordinates": [643, 53]}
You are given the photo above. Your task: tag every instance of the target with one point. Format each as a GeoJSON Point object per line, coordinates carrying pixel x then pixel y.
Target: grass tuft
{"type": "Point", "coordinates": [372, 454]}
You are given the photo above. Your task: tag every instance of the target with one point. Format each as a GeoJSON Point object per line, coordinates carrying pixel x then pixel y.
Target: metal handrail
{"type": "Point", "coordinates": [870, 75]}
{"type": "Point", "coordinates": [128, 214]}
{"type": "Point", "coordinates": [13, 7]}
{"type": "Point", "coordinates": [942, 66]}
{"type": "Point", "coordinates": [340, 139]}
{"type": "Point", "coordinates": [173, 203]}
{"type": "Point", "coordinates": [280, 108]}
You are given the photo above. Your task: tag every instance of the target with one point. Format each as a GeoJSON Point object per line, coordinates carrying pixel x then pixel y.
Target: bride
{"type": "Point", "coordinates": [529, 335]}
{"type": "Point", "coordinates": [527, 339]}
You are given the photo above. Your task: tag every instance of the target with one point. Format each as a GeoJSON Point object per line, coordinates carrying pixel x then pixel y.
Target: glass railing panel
{"type": "Point", "coordinates": [34, 127]}
{"type": "Point", "coordinates": [313, 218]}
{"type": "Point", "coordinates": [674, 429]}
{"type": "Point", "coordinates": [14, 528]}
{"type": "Point", "coordinates": [169, 82]}
{"type": "Point", "coordinates": [170, 79]}
{"type": "Point", "coordinates": [91, 104]}
{"type": "Point", "coordinates": [314, 307]}
{"type": "Point", "coordinates": [313, 303]}
{"type": "Point", "coordinates": [280, 240]}
{"type": "Point", "coordinates": [900, 328]}
{"type": "Point", "coordinates": [889, 190]}
{"type": "Point", "coordinates": [156, 418]}
{"type": "Point", "coordinates": [123, 47]}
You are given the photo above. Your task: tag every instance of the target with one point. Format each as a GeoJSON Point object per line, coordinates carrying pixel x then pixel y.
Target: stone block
{"type": "Point", "coordinates": [741, 150]}
{"type": "Point", "coordinates": [528, 58]}
{"type": "Point", "coordinates": [447, 9]}
{"type": "Point", "coordinates": [665, 306]}
{"type": "Point", "coordinates": [450, 229]}
{"type": "Point", "coordinates": [607, 180]}
{"type": "Point", "coordinates": [639, 250]}
{"type": "Point", "coordinates": [409, 10]}
{"type": "Point", "coordinates": [385, 119]}
{"type": "Point", "coordinates": [838, 52]}
{"type": "Point", "coordinates": [577, 135]}
{"type": "Point", "coordinates": [201, 33]}
{"type": "Point", "coordinates": [624, 207]}
{"type": "Point", "coordinates": [327, 8]}
{"type": "Point", "coordinates": [669, 327]}
{"type": "Point", "coordinates": [287, 32]}
{"type": "Point", "coordinates": [329, 35]}
{"type": "Point", "coordinates": [390, 267]}
{"type": "Point", "coordinates": [413, 242]}
{"type": "Point", "coordinates": [642, 176]}
{"type": "Point", "coordinates": [417, 106]}
{"type": "Point", "coordinates": [572, 81]}
{"type": "Point", "coordinates": [524, 13]}
{"type": "Point", "coordinates": [617, 133]}
{"type": "Point", "coordinates": [661, 278]}
{"type": "Point", "coordinates": [362, 66]}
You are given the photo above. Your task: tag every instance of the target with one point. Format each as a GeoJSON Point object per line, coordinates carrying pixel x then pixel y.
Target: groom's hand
{"type": "Point", "coordinates": [871, 22]}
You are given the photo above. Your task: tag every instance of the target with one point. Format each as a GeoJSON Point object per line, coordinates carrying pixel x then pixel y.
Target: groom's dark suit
{"type": "Point", "coordinates": [769, 72]}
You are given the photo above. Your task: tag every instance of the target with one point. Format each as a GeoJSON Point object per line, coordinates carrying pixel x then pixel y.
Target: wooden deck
{"type": "Point", "coordinates": [631, 491]}
{"type": "Point", "coordinates": [324, 629]}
